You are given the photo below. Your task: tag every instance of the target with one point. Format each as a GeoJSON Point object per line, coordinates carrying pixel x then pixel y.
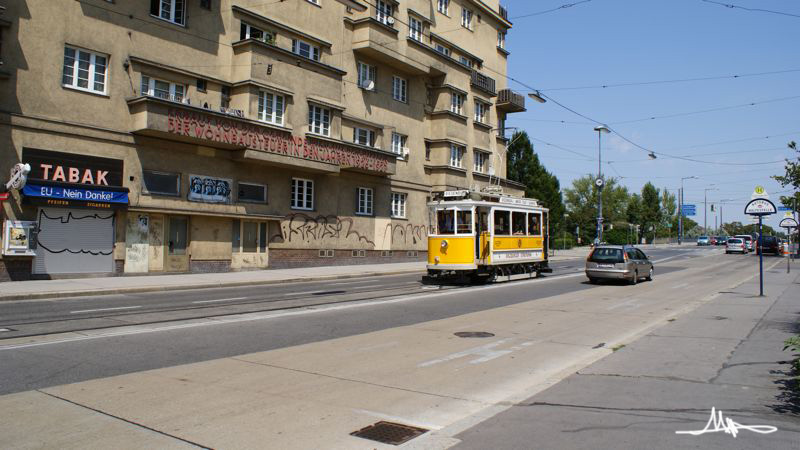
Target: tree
{"type": "Point", "coordinates": [669, 213]}
{"type": "Point", "coordinates": [791, 177]}
{"type": "Point", "coordinates": [581, 203]}
{"type": "Point", "coordinates": [651, 209]}
{"type": "Point", "coordinates": [634, 210]}
{"type": "Point", "coordinates": [523, 166]}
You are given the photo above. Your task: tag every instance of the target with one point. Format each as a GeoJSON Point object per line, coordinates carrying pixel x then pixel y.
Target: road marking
{"type": "Point", "coordinates": [485, 353]}
{"type": "Point", "coordinates": [104, 309]}
{"type": "Point", "coordinates": [678, 286]}
{"type": "Point", "coordinates": [222, 300]}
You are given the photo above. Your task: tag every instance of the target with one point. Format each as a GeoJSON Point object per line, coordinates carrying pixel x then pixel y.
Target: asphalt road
{"type": "Point", "coordinates": [198, 325]}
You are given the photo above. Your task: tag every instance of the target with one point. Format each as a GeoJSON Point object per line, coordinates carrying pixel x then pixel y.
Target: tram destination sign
{"type": "Point", "coordinates": [760, 207]}
{"type": "Point", "coordinates": [518, 201]}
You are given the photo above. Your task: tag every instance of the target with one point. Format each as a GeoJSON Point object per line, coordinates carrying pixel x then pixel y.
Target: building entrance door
{"type": "Point", "coordinates": [177, 243]}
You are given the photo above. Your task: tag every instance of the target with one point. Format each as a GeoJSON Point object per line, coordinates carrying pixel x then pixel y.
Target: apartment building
{"type": "Point", "coordinates": [209, 135]}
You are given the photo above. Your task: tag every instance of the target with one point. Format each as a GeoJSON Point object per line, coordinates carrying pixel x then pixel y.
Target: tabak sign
{"type": "Point", "coordinates": [226, 131]}
{"type": "Point", "coordinates": [72, 168]}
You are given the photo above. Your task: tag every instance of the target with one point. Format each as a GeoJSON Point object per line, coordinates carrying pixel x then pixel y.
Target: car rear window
{"type": "Point", "coordinates": [734, 241]}
{"type": "Point", "coordinates": [607, 255]}
{"type": "Point", "coordinates": [769, 239]}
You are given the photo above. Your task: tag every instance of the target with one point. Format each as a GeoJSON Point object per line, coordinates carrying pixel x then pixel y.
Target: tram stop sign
{"type": "Point", "coordinates": [788, 223]}
{"type": "Point", "coordinates": [760, 207]}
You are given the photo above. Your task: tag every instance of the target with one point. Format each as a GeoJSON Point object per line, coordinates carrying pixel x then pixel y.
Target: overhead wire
{"type": "Point", "coordinates": [732, 6]}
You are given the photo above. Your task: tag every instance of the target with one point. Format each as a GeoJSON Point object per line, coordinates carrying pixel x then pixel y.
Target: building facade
{"type": "Point", "coordinates": [205, 135]}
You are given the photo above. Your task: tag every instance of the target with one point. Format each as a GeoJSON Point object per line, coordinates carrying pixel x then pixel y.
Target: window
{"type": "Point", "coordinates": [501, 39]}
{"type": "Point", "coordinates": [456, 155]}
{"type": "Point", "coordinates": [442, 49]}
{"type": "Point", "coordinates": [400, 89]}
{"type": "Point", "coordinates": [364, 198]}
{"type": "Point", "coordinates": [362, 136]}
{"type": "Point", "coordinates": [169, 10]}
{"type": "Point", "coordinates": [270, 107]}
{"type": "Point", "coordinates": [84, 70]}
{"type": "Point", "coordinates": [201, 85]}
{"type": "Point", "coordinates": [366, 76]}
{"type": "Point", "coordinates": [319, 120]}
{"type": "Point", "coordinates": [443, 6]}
{"type": "Point", "coordinates": [518, 223]}
{"type": "Point", "coordinates": [502, 223]}
{"type": "Point", "coordinates": [464, 222]}
{"type": "Point", "coordinates": [465, 61]}
{"type": "Point", "coordinates": [205, 4]}
{"type": "Point", "coordinates": [162, 183]}
{"type": "Point", "coordinates": [248, 237]}
{"type": "Point", "coordinates": [480, 112]}
{"type": "Point", "coordinates": [383, 12]}
{"type": "Point", "coordinates": [480, 162]}
{"type": "Point", "coordinates": [252, 193]}
{"type": "Point", "coordinates": [398, 204]}
{"type": "Point", "coordinates": [305, 49]}
{"type": "Point", "coordinates": [466, 18]}
{"type": "Point", "coordinates": [398, 144]}
{"type": "Point", "coordinates": [225, 97]}
{"type": "Point", "coordinates": [302, 194]}
{"type": "Point", "coordinates": [427, 151]}
{"type": "Point", "coordinates": [248, 31]}
{"type": "Point", "coordinates": [162, 89]}
{"type": "Point", "coordinates": [415, 29]}
{"type": "Point", "coordinates": [444, 221]}
{"type": "Point", "coordinates": [534, 224]}
{"type": "Point", "coordinates": [457, 103]}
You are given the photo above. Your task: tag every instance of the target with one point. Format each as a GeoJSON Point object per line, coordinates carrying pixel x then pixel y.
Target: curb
{"type": "Point", "coordinates": [138, 290]}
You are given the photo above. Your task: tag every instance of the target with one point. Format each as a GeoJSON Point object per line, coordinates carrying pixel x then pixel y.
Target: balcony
{"type": "Point", "coordinates": [483, 82]}
{"type": "Point", "coordinates": [510, 101]}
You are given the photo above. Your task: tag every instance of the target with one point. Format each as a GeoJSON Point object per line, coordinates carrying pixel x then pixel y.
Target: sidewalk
{"type": "Point", "coordinates": [727, 354]}
{"type": "Point", "coordinates": [21, 290]}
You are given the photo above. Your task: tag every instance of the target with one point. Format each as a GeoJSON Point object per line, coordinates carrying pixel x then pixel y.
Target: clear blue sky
{"type": "Point", "coordinates": [602, 42]}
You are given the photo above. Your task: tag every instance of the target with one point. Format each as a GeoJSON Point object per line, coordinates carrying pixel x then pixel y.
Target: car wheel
{"type": "Point", "coordinates": [727, 252]}
{"type": "Point", "coordinates": [593, 280]}
{"type": "Point", "coordinates": [650, 274]}
{"type": "Point", "coordinates": [635, 278]}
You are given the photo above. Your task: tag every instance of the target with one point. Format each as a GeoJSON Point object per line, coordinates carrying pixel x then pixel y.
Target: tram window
{"type": "Point", "coordinates": [464, 222]}
{"type": "Point", "coordinates": [518, 223]}
{"type": "Point", "coordinates": [502, 223]}
{"type": "Point", "coordinates": [444, 220]}
{"type": "Point", "coordinates": [534, 224]}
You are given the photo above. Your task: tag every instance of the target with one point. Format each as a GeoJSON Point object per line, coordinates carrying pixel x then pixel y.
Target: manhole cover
{"type": "Point", "coordinates": [474, 334]}
{"type": "Point", "coordinates": [389, 432]}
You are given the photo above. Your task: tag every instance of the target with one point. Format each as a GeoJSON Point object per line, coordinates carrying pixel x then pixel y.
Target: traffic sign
{"type": "Point", "coordinates": [784, 208]}
{"type": "Point", "coordinates": [759, 192]}
{"type": "Point", "coordinates": [760, 207]}
{"type": "Point", "coordinates": [3, 196]}
{"type": "Point", "coordinates": [689, 212]}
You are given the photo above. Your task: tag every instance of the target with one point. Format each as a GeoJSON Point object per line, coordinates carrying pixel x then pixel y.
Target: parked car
{"type": "Point", "coordinates": [748, 241]}
{"type": "Point", "coordinates": [722, 240]}
{"type": "Point", "coordinates": [770, 244]}
{"type": "Point", "coordinates": [736, 245]}
{"type": "Point", "coordinates": [703, 240]}
{"type": "Point", "coordinates": [618, 262]}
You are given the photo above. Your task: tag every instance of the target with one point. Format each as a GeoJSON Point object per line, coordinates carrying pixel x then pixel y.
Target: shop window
{"type": "Point", "coordinates": [84, 70]}
{"type": "Point", "coordinates": [170, 10]}
{"type": "Point", "coordinates": [502, 223]}
{"type": "Point", "coordinates": [302, 194]}
{"type": "Point", "coordinates": [252, 193]}
{"type": "Point", "coordinates": [161, 183]}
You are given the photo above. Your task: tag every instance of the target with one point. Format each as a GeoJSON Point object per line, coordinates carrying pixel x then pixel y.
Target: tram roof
{"type": "Point", "coordinates": [477, 198]}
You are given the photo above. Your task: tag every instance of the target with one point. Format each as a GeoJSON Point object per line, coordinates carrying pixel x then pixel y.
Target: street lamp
{"type": "Point", "coordinates": [599, 183]}
{"type": "Point", "coordinates": [680, 210]}
{"type": "Point", "coordinates": [536, 95]}
{"type": "Point", "coordinates": [721, 202]}
{"type": "Point", "coordinates": [705, 206]}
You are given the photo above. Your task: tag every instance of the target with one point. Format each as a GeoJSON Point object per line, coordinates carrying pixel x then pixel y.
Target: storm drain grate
{"type": "Point", "coordinates": [474, 334]}
{"type": "Point", "coordinates": [389, 432]}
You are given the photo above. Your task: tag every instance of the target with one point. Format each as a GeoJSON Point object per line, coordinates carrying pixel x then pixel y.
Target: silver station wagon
{"type": "Point", "coordinates": [618, 262]}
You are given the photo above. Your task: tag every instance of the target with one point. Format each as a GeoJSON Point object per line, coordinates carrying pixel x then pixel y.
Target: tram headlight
{"type": "Point", "coordinates": [436, 259]}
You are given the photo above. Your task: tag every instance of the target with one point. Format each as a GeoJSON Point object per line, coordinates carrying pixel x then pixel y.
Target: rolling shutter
{"type": "Point", "coordinates": [74, 241]}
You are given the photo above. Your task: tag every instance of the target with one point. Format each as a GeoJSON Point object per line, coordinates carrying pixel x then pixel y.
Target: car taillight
{"type": "Point", "coordinates": [589, 258]}
{"type": "Point", "coordinates": [624, 256]}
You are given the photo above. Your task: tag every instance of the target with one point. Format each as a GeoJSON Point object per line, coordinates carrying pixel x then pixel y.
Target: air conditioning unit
{"type": "Point", "coordinates": [390, 20]}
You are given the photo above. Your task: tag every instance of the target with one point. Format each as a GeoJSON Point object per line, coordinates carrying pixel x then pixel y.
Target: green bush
{"type": "Point", "coordinates": [561, 242]}
{"type": "Point", "coordinates": [616, 236]}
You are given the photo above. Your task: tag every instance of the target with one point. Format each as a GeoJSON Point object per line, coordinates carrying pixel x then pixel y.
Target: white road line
{"type": "Point", "coordinates": [104, 309]}
{"type": "Point", "coordinates": [678, 286]}
{"type": "Point", "coordinates": [222, 300]}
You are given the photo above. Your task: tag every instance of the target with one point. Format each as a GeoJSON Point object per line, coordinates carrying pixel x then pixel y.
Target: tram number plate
{"type": "Point", "coordinates": [523, 254]}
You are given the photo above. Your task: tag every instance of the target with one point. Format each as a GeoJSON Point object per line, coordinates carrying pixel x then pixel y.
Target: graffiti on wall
{"type": "Point", "coordinates": [404, 234]}
{"type": "Point", "coordinates": [303, 227]}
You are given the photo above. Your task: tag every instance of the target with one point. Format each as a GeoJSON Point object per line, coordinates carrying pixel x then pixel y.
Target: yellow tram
{"type": "Point", "coordinates": [486, 236]}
